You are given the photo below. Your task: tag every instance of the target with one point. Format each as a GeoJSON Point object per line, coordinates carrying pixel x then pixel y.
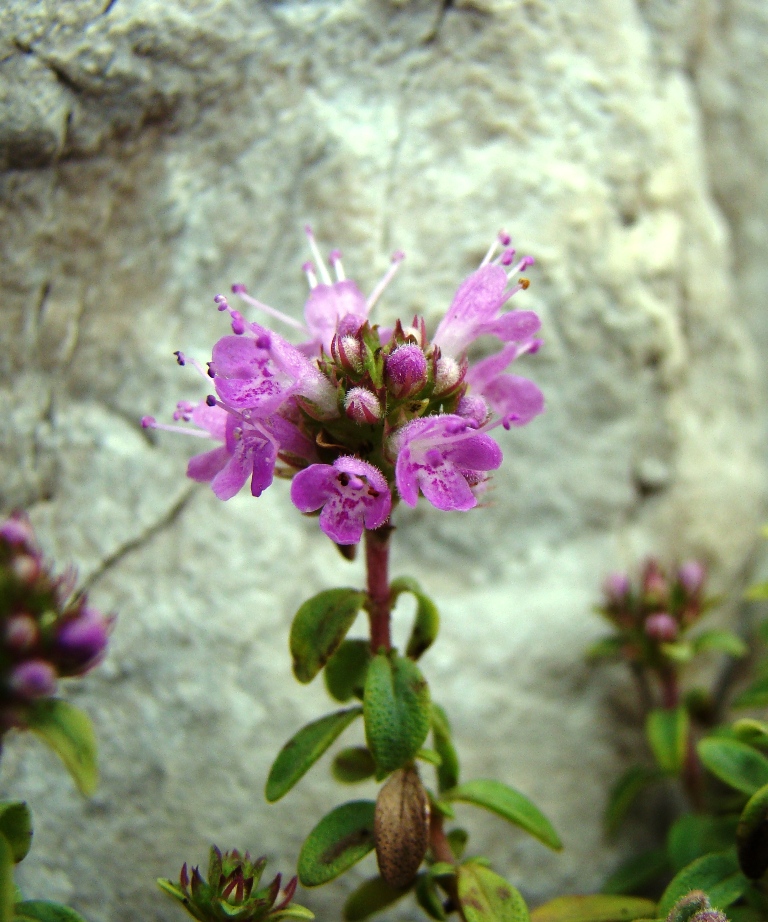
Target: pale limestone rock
{"type": "Point", "coordinates": [158, 151]}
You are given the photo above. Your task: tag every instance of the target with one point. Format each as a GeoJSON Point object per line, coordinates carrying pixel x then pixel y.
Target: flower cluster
{"type": "Point", "coordinates": [359, 415]}
{"type": "Point", "coordinates": [232, 894]}
{"type": "Point", "coordinates": [46, 631]}
{"type": "Point", "coordinates": [658, 611]}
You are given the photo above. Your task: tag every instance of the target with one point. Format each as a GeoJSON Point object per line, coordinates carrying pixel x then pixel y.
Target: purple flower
{"type": "Point", "coordinates": [691, 575]}
{"type": "Point", "coordinates": [82, 640]}
{"type": "Point", "coordinates": [514, 399]}
{"type": "Point", "coordinates": [352, 494]}
{"type": "Point", "coordinates": [476, 311]}
{"type": "Point", "coordinates": [661, 626]}
{"type": "Point", "coordinates": [445, 457]}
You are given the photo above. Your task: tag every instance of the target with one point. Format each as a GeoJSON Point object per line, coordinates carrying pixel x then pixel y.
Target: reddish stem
{"type": "Point", "coordinates": [441, 851]}
{"type": "Point", "coordinates": [692, 776]}
{"type": "Point", "coordinates": [379, 598]}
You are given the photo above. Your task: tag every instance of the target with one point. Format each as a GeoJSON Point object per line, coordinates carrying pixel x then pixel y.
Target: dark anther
{"type": "Point", "coordinates": [180, 358]}
{"type": "Point", "coordinates": [210, 400]}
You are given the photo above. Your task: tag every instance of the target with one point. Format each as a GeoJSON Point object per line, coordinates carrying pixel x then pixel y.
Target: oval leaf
{"type": "Point", "coordinates": [345, 671]}
{"type": "Point", "coordinates": [711, 873]}
{"type": "Point", "coordinates": [338, 841]}
{"type": "Point", "coordinates": [7, 890]}
{"type": "Point", "coordinates": [304, 749]}
{"type": "Point", "coordinates": [69, 732]}
{"type": "Point", "coordinates": [45, 911]}
{"type": "Point", "coordinates": [625, 792]}
{"type": "Point", "coordinates": [353, 764]}
{"type": "Point", "coordinates": [396, 709]}
{"type": "Point", "coordinates": [637, 872]}
{"type": "Point", "coordinates": [667, 732]}
{"type": "Point", "coordinates": [428, 897]}
{"type": "Point", "coordinates": [427, 621]}
{"type": "Point", "coordinates": [696, 834]}
{"type": "Point", "coordinates": [735, 763]}
{"type": "Point", "coordinates": [508, 803]}
{"type": "Point", "coordinates": [752, 835]}
{"type": "Point", "coordinates": [371, 896]}
{"type": "Point", "coordinates": [16, 826]}
{"type": "Point", "coordinates": [486, 897]}
{"type": "Point", "coordinates": [755, 696]}
{"type": "Point", "coordinates": [319, 627]}
{"type": "Point", "coordinates": [598, 908]}
{"type": "Point", "coordinates": [448, 770]}
{"type": "Point", "coordinates": [722, 641]}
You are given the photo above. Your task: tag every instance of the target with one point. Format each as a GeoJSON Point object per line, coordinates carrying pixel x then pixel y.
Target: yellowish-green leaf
{"type": "Point", "coordinates": [599, 908]}
{"type": "Point", "coordinates": [486, 897]}
{"type": "Point", "coordinates": [735, 763]}
{"type": "Point", "coordinates": [69, 732]}
{"type": "Point", "coordinates": [667, 733]}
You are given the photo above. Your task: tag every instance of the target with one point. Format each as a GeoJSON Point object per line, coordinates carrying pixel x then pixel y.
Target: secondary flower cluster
{"type": "Point", "coordinates": [360, 415]}
{"type": "Point", "coordinates": [46, 632]}
{"type": "Point", "coordinates": [232, 893]}
{"type": "Point", "coordinates": [656, 612]}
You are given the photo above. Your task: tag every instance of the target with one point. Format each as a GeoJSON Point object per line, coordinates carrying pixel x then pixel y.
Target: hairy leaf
{"type": "Point", "coordinates": [304, 749]}
{"type": "Point", "coordinates": [716, 874]}
{"type": "Point", "coordinates": [508, 803]}
{"type": "Point", "coordinates": [345, 671]}
{"type": "Point", "coordinates": [486, 897]}
{"type": "Point", "coordinates": [396, 710]}
{"type": "Point", "coordinates": [319, 627]}
{"type": "Point", "coordinates": [448, 771]}
{"type": "Point", "coordinates": [353, 764]}
{"type": "Point", "coordinates": [16, 826]}
{"type": "Point", "coordinates": [339, 840]}
{"type": "Point", "coordinates": [427, 621]}
{"type": "Point", "coordinates": [600, 908]}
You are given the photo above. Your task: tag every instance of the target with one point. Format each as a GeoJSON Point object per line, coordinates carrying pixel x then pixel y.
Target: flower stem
{"type": "Point", "coordinates": [379, 599]}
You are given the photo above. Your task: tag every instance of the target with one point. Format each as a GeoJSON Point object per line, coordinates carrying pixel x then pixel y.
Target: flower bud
{"type": "Point", "coordinates": [348, 352]}
{"type": "Point", "coordinates": [448, 375]}
{"type": "Point", "coordinates": [616, 587]}
{"type": "Point", "coordinates": [33, 679]}
{"type": "Point", "coordinates": [686, 908]}
{"type": "Point", "coordinates": [655, 586]}
{"type": "Point", "coordinates": [474, 407]}
{"type": "Point", "coordinates": [21, 633]}
{"type": "Point", "coordinates": [401, 827]}
{"type": "Point", "coordinates": [406, 370]}
{"type": "Point", "coordinates": [362, 405]}
{"type": "Point", "coordinates": [82, 640]}
{"type": "Point", "coordinates": [691, 576]}
{"type": "Point", "coordinates": [661, 627]}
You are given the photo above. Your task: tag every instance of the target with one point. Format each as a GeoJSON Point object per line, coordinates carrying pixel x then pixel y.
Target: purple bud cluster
{"type": "Point", "coordinates": [658, 610]}
{"type": "Point", "coordinates": [46, 631]}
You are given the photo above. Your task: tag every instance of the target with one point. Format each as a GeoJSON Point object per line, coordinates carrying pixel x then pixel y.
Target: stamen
{"type": "Point", "coordinates": [397, 257]}
{"type": "Point", "coordinates": [506, 257]}
{"type": "Point", "coordinates": [211, 400]}
{"type": "Point", "coordinates": [503, 239]}
{"type": "Point", "coordinates": [279, 315]}
{"type": "Point", "coordinates": [149, 422]}
{"type": "Point", "coordinates": [308, 269]}
{"type": "Point", "coordinates": [335, 260]}
{"type": "Point", "coordinates": [180, 358]}
{"type": "Point", "coordinates": [522, 265]}
{"type": "Point", "coordinates": [324, 274]}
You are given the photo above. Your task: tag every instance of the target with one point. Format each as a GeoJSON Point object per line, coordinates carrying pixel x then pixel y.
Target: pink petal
{"type": "Point", "coordinates": [311, 487]}
{"type": "Point", "coordinates": [204, 467]}
{"type": "Point", "coordinates": [516, 399]}
{"type": "Point", "coordinates": [231, 479]}
{"type": "Point", "coordinates": [446, 489]}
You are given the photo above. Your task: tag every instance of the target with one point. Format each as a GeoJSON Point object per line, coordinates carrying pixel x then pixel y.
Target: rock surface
{"type": "Point", "coordinates": [154, 152]}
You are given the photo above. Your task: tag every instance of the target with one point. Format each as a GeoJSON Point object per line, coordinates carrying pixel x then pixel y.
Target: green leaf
{"type": "Point", "coordinates": [293, 911]}
{"type": "Point", "coordinates": [634, 780]}
{"type": "Point", "coordinates": [754, 696]}
{"type": "Point", "coordinates": [345, 671]}
{"type": "Point", "coordinates": [509, 804]}
{"type": "Point", "coordinates": [319, 627]}
{"type": "Point", "coordinates": [353, 764]}
{"type": "Point", "coordinates": [696, 834]}
{"type": "Point", "coordinates": [448, 770]}
{"type": "Point", "coordinates": [428, 897]}
{"type": "Point", "coordinates": [636, 873]}
{"type": "Point", "coordinates": [667, 733]}
{"type": "Point", "coordinates": [722, 641]}
{"type": "Point", "coordinates": [752, 732]}
{"type": "Point", "coordinates": [457, 839]}
{"type": "Point", "coordinates": [16, 826]}
{"type": "Point", "coordinates": [427, 622]}
{"type": "Point", "coordinates": [752, 835]}
{"type": "Point", "coordinates": [339, 840]}
{"type": "Point", "coordinates": [371, 896]}
{"type": "Point", "coordinates": [304, 749]}
{"type": "Point", "coordinates": [45, 911]}
{"type": "Point", "coordinates": [757, 593]}
{"type": "Point", "coordinates": [716, 874]}
{"type": "Point", "coordinates": [486, 897]}
{"type": "Point", "coordinates": [600, 908]}
{"type": "Point", "coordinates": [7, 889]}
{"type": "Point", "coordinates": [69, 732]}
{"type": "Point", "coordinates": [606, 648]}
{"type": "Point", "coordinates": [681, 652]}
{"type": "Point", "coordinates": [431, 756]}
{"type": "Point", "coordinates": [735, 763]}
{"type": "Point", "coordinates": [396, 709]}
